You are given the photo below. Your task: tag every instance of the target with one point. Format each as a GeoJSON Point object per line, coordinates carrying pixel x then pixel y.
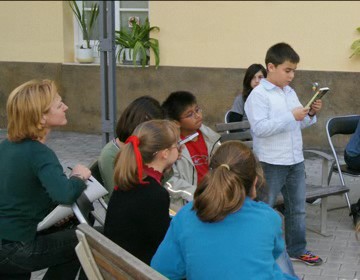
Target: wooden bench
{"type": "Point", "coordinates": [103, 259]}
{"type": "Point", "coordinates": [230, 131]}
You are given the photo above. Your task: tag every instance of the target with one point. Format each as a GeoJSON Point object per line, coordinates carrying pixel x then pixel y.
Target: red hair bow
{"type": "Point", "coordinates": [135, 141]}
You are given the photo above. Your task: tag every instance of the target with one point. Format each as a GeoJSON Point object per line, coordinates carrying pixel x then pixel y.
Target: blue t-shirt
{"type": "Point", "coordinates": [245, 245]}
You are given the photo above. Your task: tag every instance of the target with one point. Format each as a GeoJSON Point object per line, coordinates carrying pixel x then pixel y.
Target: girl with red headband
{"type": "Point", "coordinates": [138, 212]}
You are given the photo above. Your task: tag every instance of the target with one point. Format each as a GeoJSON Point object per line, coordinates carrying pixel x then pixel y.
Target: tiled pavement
{"type": "Point", "coordinates": [340, 251]}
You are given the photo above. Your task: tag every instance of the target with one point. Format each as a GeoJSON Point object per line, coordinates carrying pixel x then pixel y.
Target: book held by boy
{"type": "Point", "coordinates": [318, 95]}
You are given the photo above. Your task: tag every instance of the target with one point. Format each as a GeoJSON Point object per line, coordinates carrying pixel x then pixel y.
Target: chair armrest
{"type": "Point", "coordinates": [326, 158]}
{"type": "Point", "coordinates": [321, 154]}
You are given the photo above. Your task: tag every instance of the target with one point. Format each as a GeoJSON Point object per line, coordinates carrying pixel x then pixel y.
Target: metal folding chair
{"type": "Point", "coordinates": [341, 125]}
{"type": "Point", "coordinates": [231, 116]}
{"type": "Point", "coordinates": [95, 172]}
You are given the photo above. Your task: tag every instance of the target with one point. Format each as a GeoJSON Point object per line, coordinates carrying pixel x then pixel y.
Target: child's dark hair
{"type": "Point", "coordinates": [281, 52]}
{"type": "Point", "coordinates": [233, 170]}
{"type": "Point", "coordinates": [142, 109]}
{"type": "Point", "coordinates": [176, 103]}
{"type": "Point", "coordinates": [249, 75]}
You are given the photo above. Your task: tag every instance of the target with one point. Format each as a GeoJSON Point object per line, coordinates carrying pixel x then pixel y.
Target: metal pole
{"type": "Point", "coordinates": [107, 69]}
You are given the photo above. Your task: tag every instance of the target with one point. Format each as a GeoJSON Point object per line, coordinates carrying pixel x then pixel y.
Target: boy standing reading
{"type": "Point", "coordinates": [182, 107]}
{"type": "Point", "coordinates": [276, 118]}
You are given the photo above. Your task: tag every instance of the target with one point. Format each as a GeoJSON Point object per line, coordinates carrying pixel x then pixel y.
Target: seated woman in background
{"type": "Point", "coordinates": [252, 78]}
{"type": "Point", "coordinates": [138, 213]}
{"type": "Point", "coordinates": [352, 150]}
{"type": "Point", "coordinates": [224, 233]}
{"type": "Point", "coordinates": [141, 109]}
{"type": "Point", "coordinates": [32, 184]}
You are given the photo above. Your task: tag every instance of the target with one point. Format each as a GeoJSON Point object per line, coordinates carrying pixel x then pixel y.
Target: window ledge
{"type": "Point", "coordinates": [98, 64]}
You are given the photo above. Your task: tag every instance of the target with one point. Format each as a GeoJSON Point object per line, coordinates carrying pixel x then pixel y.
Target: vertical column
{"type": "Point", "coordinates": [107, 69]}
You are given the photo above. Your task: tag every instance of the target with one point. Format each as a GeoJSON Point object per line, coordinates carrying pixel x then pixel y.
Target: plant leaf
{"type": "Point", "coordinates": [355, 44]}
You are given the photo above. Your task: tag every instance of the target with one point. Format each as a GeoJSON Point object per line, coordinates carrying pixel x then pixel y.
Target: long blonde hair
{"type": "Point", "coordinates": [233, 170]}
{"type": "Point", "coordinates": [26, 106]}
{"type": "Point", "coordinates": [153, 136]}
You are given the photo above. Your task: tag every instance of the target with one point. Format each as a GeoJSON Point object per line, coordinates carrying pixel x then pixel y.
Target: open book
{"type": "Point", "coordinates": [318, 95]}
{"type": "Point", "coordinates": [93, 191]}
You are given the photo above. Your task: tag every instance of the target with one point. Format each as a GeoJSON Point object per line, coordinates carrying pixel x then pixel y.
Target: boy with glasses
{"type": "Point", "coordinates": [182, 107]}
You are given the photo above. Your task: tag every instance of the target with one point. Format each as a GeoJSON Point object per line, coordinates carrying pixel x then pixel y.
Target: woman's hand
{"type": "Point", "coordinates": [81, 171]}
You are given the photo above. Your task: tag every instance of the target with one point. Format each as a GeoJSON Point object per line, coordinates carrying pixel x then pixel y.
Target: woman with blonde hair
{"type": "Point", "coordinates": [138, 212]}
{"type": "Point", "coordinates": [224, 233]}
{"type": "Point", "coordinates": [32, 184]}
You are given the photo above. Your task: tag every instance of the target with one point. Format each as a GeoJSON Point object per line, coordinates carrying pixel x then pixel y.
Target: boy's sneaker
{"type": "Point", "coordinates": [308, 258]}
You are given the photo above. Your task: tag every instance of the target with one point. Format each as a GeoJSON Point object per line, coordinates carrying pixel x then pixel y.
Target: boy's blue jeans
{"type": "Point", "coordinates": [290, 181]}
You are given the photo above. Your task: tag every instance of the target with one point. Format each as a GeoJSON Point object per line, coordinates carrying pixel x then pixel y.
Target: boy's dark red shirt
{"type": "Point", "coordinates": [199, 155]}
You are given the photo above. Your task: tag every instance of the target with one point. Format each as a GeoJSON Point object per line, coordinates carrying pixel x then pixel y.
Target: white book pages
{"type": "Point", "coordinates": [56, 215]}
{"type": "Point", "coordinates": [318, 95]}
{"type": "Point", "coordinates": [93, 191]}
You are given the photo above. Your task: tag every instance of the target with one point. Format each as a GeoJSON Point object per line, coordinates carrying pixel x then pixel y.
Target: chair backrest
{"type": "Point", "coordinates": [235, 131]}
{"type": "Point", "coordinates": [95, 171]}
{"type": "Point", "coordinates": [226, 118]}
{"type": "Point", "coordinates": [231, 116]}
{"type": "Point", "coordinates": [342, 125]}
{"type": "Point", "coordinates": [98, 254]}
{"type": "Point", "coordinates": [85, 212]}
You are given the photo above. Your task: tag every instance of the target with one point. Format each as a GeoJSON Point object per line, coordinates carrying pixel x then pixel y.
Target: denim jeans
{"type": "Point", "coordinates": [290, 181]}
{"type": "Point", "coordinates": [55, 251]}
{"type": "Point", "coordinates": [352, 162]}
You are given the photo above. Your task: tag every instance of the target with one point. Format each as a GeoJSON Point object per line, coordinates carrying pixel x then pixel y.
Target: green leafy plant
{"type": "Point", "coordinates": [355, 46]}
{"type": "Point", "coordinates": [86, 26]}
{"type": "Point", "coordinates": [138, 39]}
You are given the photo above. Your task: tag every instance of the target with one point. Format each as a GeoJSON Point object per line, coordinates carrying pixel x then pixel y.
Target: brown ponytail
{"type": "Point", "coordinates": [233, 169]}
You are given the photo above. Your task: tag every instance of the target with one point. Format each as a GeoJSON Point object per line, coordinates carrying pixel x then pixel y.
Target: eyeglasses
{"type": "Point", "coordinates": [178, 147]}
{"type": "Point", "coordinates": [192, 114]}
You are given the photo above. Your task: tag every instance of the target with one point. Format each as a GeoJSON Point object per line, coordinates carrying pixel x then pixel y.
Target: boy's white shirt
{"type": "Point", "coordinates": [185, 175]}
{"type": "Point", "coordinates": [277, 137]}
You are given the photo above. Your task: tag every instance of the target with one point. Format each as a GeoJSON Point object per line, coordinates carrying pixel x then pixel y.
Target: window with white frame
{"type": "Point", "coordinates": [124, 11]}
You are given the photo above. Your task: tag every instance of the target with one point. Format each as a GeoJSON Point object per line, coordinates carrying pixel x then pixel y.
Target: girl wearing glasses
{"type": "Point", "coordinates": [138, 212]}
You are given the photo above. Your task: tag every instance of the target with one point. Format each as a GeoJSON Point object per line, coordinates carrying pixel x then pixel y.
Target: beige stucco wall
{"type": "Point", "coordinates": [222, 34]}
{"type": "Point", "coordinates": [238, 33]}
{"type": "Point", "coordinates": [35, 31]}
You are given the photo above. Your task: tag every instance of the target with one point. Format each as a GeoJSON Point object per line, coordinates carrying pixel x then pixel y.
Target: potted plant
{"type": "Point", "coordinates": [135, 44]}
{"type": "Point", "coordinates": [85, 53]}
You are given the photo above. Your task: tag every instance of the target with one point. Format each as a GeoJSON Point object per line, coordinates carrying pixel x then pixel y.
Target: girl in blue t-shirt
{"type": "Point", "coordinates": [224, 233]}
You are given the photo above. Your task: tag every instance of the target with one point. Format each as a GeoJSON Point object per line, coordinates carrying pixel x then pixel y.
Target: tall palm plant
{"type": "Point", "coordinates": [138, 39]}
{"type": "Point", "coordinates": [86, 26]}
